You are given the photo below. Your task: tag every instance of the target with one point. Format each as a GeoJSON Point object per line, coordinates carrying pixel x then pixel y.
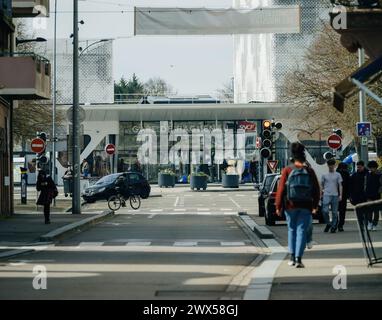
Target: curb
{"type": "Point", "coordinates": [57, 234]}
{"type": "Point", "coordinates": [261, 231]}
{"type": "Point", "coordinates": [12, 253]}
{"type": "Point", "coordinates": [70, 209]}
{"type": "Point", "coordinates": [261, 283]}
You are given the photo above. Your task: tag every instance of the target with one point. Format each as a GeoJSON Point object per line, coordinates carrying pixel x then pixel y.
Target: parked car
{"type": "Point", "coordinates": [264, 192]}
{"type": "Point", "coordinates": [270, 206]}
{"type": "Point", "coordinates": [104, 188]}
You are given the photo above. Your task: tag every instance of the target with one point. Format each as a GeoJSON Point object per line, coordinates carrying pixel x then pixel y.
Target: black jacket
{"type": "Point", "coordinates": [373, 186]}
{"type": "Point", "coordinates": [345, 183]}
{"type": "Point", "coordinates": [358, 182]}
{"type": "Point", "coordinates": [48, 190]}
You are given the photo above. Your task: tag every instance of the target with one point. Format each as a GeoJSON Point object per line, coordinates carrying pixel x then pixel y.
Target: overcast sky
{"type": "Point", "coordinates": [192, 64]}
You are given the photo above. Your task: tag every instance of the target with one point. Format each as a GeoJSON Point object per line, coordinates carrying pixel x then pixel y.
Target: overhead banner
{"type": "Point", "coordinates": [203, 21]}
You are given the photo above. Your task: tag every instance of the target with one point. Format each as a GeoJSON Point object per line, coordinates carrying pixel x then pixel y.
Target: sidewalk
{"type": "Point", "coordinates": [331, 250]}
{"type": "Point", "coordinates": [23, 229]}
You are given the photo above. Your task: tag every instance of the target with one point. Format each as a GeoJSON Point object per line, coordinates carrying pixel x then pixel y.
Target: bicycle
{"type": "Point", "coordinates": [116, 201]}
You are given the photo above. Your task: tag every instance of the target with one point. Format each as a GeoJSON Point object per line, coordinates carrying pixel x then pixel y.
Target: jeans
{"type": "Point", "coordinates": [309, 232]}
{"type": "Point", "coordinates": [299, 222]}
{"type": "Point", "coordinates": [333, 202]}
{"type": "Point", "coordinates": [342, 212]}
{"type": "Point", "coordinates": [374, 220]}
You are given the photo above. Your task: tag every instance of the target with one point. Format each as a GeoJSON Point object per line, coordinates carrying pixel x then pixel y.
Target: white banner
{"type": "Point", "coordinates": [203, 21]}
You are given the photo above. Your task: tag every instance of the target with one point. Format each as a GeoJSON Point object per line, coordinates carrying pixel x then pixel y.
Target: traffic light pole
{"type": "Point", "coordinates": [76, 200]}
{"type": "Point", "coordinates": [364, 149]}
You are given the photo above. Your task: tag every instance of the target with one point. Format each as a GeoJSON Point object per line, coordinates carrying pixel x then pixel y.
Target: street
{"type": "Point", "coordinates": [196, 247]}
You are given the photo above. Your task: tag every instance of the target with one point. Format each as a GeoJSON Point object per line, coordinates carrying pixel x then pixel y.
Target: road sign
{"type": "Point", "coordinates": [272, 164]}
{"type": "Point", "coordinates": [364, 129]}
{"type": "Point", "coordinates": [110, 149]}
{"type": "Point", "coordinates": [38, 145]}
{"type": "Point", "coordinates": [334, 142]}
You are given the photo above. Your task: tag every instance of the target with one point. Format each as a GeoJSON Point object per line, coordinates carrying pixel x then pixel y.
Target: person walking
{"type": "Point", "coordinates": [299, 194]}
{"type": "Point", "coordinates": [85, 168]}
{"type": "Point", "coordinates": [343, 170]}
{"type": "Point", "coordinates": [331, 184]}
{"type": "Point", "coordinates": [48, 191]}
{"type": "Point", "coordinates": [358, 182]}
{"type": "Point", "coordinates": [373, 186]}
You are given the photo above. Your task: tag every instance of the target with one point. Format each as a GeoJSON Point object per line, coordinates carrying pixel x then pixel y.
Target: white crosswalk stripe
{"type": "Point", "coordinates": [233, 244]}
{"type": "Point", "coordinates": [185, 243]}
{"type": "Point", "coordinates": [90, 244]}
{"type": "Point", "coordinates": [138, 244]}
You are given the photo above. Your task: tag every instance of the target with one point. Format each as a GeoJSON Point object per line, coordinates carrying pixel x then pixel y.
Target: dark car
{"type": "Point", "coordinates": [104, 188]}
{"type": "Point", "coordinates": [264, 192]}
{"type": "Point", "coordinates": [270, 206]}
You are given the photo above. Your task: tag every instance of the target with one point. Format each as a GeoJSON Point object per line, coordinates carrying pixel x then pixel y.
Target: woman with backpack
{"type": "Point", "coordinates": [299, 194]}
{"type": "Point", "coordinates": [48, 191]}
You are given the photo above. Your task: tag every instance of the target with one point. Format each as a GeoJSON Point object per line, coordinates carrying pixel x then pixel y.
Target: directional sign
{"type": "Point", "coordinates": [110, 149]}
{"type": "Point", "coordinates": [334, 142]}
{"type": "Point", "coordinates": [272, 164]}
{"type": "Point", "coordinates": [38, 145]}
{"type": "Point", "coordinates": [364, 129]}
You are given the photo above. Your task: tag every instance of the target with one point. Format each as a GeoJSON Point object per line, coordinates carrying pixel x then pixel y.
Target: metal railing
{"type": "Point", "coordinates": [363, 211]}
{"type": "Point", "coordinates": [139, 98]}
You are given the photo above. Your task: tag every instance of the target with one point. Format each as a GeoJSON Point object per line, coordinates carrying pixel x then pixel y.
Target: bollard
{"type": "Point", "coordinates": [24, 185]}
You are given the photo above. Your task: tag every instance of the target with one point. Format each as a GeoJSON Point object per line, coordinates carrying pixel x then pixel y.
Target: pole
{"type": "Point", "coordinates": [54, 98]}
{"type": "Point", "coordinates": [364, 150]}
{"type": "Point", "coordinates": [76, 201]}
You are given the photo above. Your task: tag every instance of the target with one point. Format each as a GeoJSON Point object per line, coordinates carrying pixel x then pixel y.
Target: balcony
{"type": "Point", "coordinates": [364, 30]}
{"type": "Point", "coordinates": [25, 77]}
{"type": "Point", "coordinates": [30, 9]}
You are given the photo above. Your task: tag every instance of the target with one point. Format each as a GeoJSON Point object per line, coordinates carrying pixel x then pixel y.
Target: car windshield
{"type": "Point", "coordinates": [268, 182]}
{"type": "Point", "coordinates": [108, 179]}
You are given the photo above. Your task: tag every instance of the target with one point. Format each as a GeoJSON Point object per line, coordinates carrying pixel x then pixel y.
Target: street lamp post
{"type": "Point", "coordinates": [54, 97]}
{"type": "Point", "coordinates": [76, 201]}
{"type": "Point", "coordinates": [364, 149]}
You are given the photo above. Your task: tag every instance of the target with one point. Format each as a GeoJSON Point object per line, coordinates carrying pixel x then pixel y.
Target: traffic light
{"type": "Point", "coordinates": [266, 136]}
{"type": "Point", "coordinates": [42, 159]}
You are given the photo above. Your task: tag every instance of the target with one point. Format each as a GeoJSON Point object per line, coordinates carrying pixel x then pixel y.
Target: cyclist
{"type": "Point", "coordinates": [122, 188]}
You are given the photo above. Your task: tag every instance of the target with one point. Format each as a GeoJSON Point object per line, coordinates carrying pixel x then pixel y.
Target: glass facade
{"type": "Point", "coordinates": [128, 147]}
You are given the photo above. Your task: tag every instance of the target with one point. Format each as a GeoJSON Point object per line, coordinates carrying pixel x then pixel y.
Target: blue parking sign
{"type": "Point", "coordinates": [364, 129]}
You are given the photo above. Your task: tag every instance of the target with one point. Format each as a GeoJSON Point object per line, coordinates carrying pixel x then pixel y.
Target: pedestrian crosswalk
{"type": "Point", "coordinates": [188, 211]}
{"type": "Point", "coordinates": [156, 242]}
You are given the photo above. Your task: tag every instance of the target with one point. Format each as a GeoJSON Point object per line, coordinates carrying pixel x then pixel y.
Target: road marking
{"type": "Point", "coordinates": [204, 213]}
{"type": "Point", "coordinates": [156, 210]}
{"type": "Point", "coordinates": [176, 201]}
{"type": "Point", "coordinates": [240, 195]}
{"type": "Point", "coordinates": [203, 209]}
{"type": "Point", "coordinates": [185, 243]}
{"type": "Point", "coordinates": [151, 216]}
{"type": "Point", "coordinates": [226, 209]}
{"type": "Point", "coordinates": [235, 203]}
{"type": "Point", "coordinates": [233, 244]}
{"type": "Point", "coordinates": [138, 244]}
{"type": "Point", "coordinates": [91, 244]}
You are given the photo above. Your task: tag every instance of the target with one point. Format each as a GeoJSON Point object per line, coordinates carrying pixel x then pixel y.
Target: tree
{"type": "Point", "coordinates": [227, 92]}
{"type": "Point", "coordinates": [158, 87]}
{"type": "Point", "coordinates": [132, 90]}
{"type": "Point", "coordinates": [309, 88]}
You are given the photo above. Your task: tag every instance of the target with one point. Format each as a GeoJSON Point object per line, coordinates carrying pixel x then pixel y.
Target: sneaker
{"type": "Point", "coordinates": [369, 226]}
{"type": "Point", "coordinates": [309, 245]}
{"type": "Point", "coordinates": [291, 263]}
{"type": "Point", "coordinates": [300, 265]}
{"type": "Point", "coordinates": [327, 228]}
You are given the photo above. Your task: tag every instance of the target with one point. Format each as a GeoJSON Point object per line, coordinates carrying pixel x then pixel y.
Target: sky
{"type": "Point", "coordinates": [191, 64]}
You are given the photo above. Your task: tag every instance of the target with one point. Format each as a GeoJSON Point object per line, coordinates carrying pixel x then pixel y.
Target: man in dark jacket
{"type": "Point", "coordinates": [358, 183]}
{"type": "Point", "coordinates": [372, 191]}
{"type": "Point", "coordinates": [48, 191]}
{"type": "Point", "coordinates": [344, 172]}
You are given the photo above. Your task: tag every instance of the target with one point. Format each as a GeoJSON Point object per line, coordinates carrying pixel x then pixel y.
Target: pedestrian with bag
{"type": "Point", "coordinates": [48, 191]}
{"type": "Point", "coordinates": [299, 194]}
{"type": "Point", "coordinates": [331, 184]}
{"type": "Point", "coordinates": [343, 170]}
{"type": "Point", "coordinates": [373, 187]}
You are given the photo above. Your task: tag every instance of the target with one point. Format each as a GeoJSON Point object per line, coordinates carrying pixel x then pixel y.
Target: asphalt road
{"type": "Point", "coordinates": [182, 245]}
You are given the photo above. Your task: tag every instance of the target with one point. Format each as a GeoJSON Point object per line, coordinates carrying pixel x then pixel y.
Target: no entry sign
{"type": "Point", "coordinates": [110, 149]}
{"type": "Point", "coordinates": [38, 145]}
{"type": "Point", "coordinates": [334, 142]}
